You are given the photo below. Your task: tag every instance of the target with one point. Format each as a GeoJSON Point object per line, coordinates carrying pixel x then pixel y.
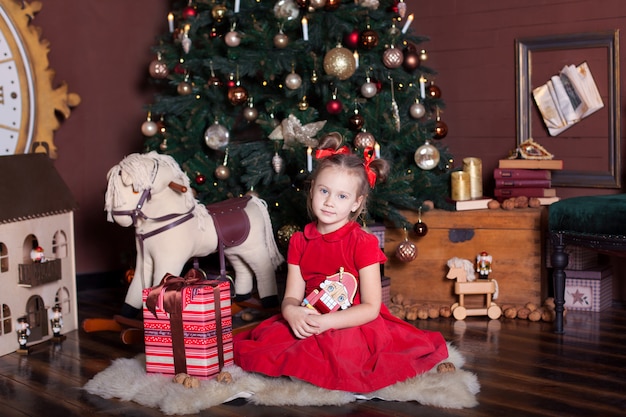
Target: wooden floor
{"type": "Point", "coordinates": [523, 367]}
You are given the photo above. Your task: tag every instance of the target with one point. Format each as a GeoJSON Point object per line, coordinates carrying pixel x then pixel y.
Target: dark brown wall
{"type": "Point", "coordinates": [102, 50]}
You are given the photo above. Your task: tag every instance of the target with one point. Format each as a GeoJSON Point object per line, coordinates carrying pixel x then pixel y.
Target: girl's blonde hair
{"type": "Point", "coordinates": [352, 163]}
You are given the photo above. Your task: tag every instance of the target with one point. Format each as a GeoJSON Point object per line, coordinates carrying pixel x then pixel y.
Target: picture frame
{"type": "Point", "coordinates": [593, 143]}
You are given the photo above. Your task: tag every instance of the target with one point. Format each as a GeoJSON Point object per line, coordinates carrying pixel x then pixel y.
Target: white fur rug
{"type": "Point", "coordinates": [127, 380]}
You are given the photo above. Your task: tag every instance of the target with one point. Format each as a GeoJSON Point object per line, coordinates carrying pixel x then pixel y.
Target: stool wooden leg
{"type": "Point", "coordinates": [560, 259]}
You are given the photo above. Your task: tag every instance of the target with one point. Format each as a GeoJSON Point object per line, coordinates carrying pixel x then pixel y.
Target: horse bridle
{"type": "Point", "coordinates": [137, 213]}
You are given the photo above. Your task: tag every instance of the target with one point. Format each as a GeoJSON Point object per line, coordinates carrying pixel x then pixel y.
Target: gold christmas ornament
{"type": "Point", "coordinates": [222, 172]}
{"type": "Point", "coordinates": [281, 40]}
{"type": "Point", "coordinates": [219, 12]}
{"type": "Point", "coordinates": [340, 62]}
{"type": "Point", "coordinates": [184, 88]}
{"type": "Point", "coordinates": [285, 233]}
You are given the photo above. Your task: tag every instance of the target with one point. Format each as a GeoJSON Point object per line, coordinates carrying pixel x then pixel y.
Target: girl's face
{"type": "Point", "coordinates": [334, 198]}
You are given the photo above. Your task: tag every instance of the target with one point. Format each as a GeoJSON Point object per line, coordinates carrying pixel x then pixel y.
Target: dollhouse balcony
{"type": "Point", "coordinates": [35, 274]}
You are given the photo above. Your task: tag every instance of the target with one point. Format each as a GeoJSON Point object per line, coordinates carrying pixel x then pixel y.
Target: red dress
{"type": "Point", "coordinates": [358, 359]}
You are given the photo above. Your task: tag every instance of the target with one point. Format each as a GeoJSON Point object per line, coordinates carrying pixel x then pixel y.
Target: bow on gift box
{"type": "Point", "coordinates": [167, 296]}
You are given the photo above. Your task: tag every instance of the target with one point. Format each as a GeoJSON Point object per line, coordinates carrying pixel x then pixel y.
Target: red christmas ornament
{"type": "Point", "coordinates": [200, 179]}
{"type": "Point", "coordinates": [351, 40]}
{"type": "Point", "coordinates": [356, 122]}
{"type": "Point", "coordinates": [332, 5]}
{"type": "Point", "coordinates": [369, 39]}
{"type": "Point", "coordinates": [214, 82]}
{"type": "Point", "coordinates": [231, 83]}
{"type": "Point", "coordinates": [179, 69]}
{"type": "Point", "coordinates": [237, 95]}
{"type": "Point", "coordinates": [441, 130]}
{"type": "Point", "coordinates": [434, 91]}
{"type": "Point", "coordinates": [189, 12]}
{"type": "Point", "coordinates": [334, 106]}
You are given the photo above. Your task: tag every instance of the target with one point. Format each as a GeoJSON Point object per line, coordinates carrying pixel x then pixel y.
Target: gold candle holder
{"type": "Point", "coordinates": [460, 186]}
{"type": "Point", "coordinates": [474, 168]}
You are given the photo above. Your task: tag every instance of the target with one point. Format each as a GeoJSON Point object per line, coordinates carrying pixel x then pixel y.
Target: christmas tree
{"type": "Point", "coordinates": [246, 88]}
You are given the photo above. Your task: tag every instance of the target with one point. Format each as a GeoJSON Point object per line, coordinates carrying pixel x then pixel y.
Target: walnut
{"type": "Point", "coordinates": [531, 306]}
{"type": "Point", "coordinates": [534, 202]}
{"type": "Point", "coordinates": [548, 315]}
{"type": "Point", "coordinates": [444, 311]}
{"type": "Point", "coordinates": [535, 315]}
{"type": "Point", "coordinates": [224, 378]}
{"type": "Point", "coordinates": [510, 313]}
{"type": "Point", "coordinates": [422, 313]}
{"type": "Point", "coordinates": [191, 382]}
{"type": "Point", "coordinates": [446, 367]}
{"type": "Point", "coordinates": [493, 204]}
{"type": "Point", "coordinates": [180, 378]}
{"type": "Point", "coordinates": [398, 311]}
{"type": "Point", "coordinates": [549, 303]}
{"type": "Point", "coordinates": [523, 313]}
{"type": "Point", "coordinates": [508, 204]}
{"type": "Point", "coordinates": [411, 313]}
{"type": "Point", "coordinates": [521, 202]}
{"type": "Point", "coordinates": [397, 299]}
{"type": "Point", "coordinates": [433, 312]}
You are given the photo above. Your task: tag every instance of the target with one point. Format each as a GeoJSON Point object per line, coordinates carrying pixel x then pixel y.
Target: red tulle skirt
{"type": "Point", "coordinates": [359, 359]}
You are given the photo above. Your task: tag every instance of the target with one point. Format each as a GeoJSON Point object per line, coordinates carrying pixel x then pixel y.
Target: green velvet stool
{"type": "Point", "coordinates": [597, 222]}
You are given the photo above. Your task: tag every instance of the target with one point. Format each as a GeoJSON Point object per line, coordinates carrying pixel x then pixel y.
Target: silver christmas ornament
{"type": "Point", "coordinates": [427, 156]}
{"type": "Point", "coordinates": [369, 89]}
{"type": "Point", "coordinates": [277, 163]}
{"type": "Point", "coordinates": [216, 136]}
{"type": "Point", "coordinates": [417, 110]}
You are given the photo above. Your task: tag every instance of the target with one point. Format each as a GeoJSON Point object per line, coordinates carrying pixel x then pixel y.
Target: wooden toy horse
{"type": "Point", "coordinates": [463, 271]}
{"type": "Point", "coordinates": [150, 192]}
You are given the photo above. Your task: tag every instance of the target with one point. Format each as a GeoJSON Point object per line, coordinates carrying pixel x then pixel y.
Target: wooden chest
{"type": "Point", "coordinates": [513, 237]}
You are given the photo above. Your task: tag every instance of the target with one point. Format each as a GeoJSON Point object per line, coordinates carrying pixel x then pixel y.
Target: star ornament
{"type": "Point", "coordinates": [292, 131]}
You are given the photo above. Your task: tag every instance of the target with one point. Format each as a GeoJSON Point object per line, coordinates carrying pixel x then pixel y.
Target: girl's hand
{"type": "Point", "coordinates": [302, 321]}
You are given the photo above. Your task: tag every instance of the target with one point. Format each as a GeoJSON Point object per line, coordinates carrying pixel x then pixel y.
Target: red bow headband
{"type": "Point", "coordinates": [325, 153]}
{"type": "Point", "coordinates": [368, 155]}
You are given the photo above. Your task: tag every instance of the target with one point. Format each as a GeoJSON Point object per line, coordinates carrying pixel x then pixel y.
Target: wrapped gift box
{"type": "Point", "coordinates": [205, 337]}
{"type": "Point", "coordinates": [386, 294]}
{"type": "Point", "coordinates": [589, 289]}
{"type": "Point", "coordinates": [579, 258]}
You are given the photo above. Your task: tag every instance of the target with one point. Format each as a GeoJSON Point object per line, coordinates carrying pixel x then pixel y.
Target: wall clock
{"type": "Point", "coordinates": [30, 107]}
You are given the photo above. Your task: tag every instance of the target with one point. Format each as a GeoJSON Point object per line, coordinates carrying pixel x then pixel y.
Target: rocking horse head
{"type": "Point", "coordinates": [137, 179]}
{"type": "Point", "coordinates": [461, 269]}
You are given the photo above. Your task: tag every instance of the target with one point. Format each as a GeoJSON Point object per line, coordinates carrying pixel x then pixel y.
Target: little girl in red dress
{"type": "Point", "coordinates": [361, 348]}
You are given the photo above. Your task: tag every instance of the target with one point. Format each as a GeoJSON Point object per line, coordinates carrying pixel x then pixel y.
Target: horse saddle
{"type": "Point", "coordinates": [231, 221]}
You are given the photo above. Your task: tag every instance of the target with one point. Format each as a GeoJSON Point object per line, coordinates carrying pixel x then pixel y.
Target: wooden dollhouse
{"type": "Point", "coordinates": [37, 264]}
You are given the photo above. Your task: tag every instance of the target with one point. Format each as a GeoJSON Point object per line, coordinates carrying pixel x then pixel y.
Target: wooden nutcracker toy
{"type": "Point", "coordinates": [23, 332]}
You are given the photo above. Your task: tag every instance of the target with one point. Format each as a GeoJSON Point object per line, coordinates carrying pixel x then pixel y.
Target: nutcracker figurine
{"type": "Point", "coordinates": [56, 321]}
{"type": "Point", "coordinates": [23, 331]}
{"type": "Point", "coordinates": [483, 265]}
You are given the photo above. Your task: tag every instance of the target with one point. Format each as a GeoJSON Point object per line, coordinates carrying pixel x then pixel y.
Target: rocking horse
{"type": "Point", "coordinates": [151, 193]}
{"type": "Point", "coordinates": [463, 271]}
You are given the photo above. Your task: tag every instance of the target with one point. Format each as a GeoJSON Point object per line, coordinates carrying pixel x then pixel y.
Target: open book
{"type": "Point", "coordinates": [567, 98]}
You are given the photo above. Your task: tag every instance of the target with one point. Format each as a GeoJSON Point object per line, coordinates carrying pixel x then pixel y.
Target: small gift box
{"type": "Point", "coordinates": [188, 326]}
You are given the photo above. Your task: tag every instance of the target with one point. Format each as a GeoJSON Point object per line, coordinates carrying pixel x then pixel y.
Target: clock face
{"type": "Point", "coordinates": [17, 112]}
{"type": "Point", "coordinates": [30, 108]}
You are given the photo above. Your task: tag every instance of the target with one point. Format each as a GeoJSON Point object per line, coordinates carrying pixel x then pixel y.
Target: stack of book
{"type": "Point", "coordinates": [527, 178]}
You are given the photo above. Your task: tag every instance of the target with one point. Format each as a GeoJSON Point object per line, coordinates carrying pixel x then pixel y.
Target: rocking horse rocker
{"type": "Point", "coordinates": [463, 271]}
{"type": "Point", "coordinates": [151, 193]}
